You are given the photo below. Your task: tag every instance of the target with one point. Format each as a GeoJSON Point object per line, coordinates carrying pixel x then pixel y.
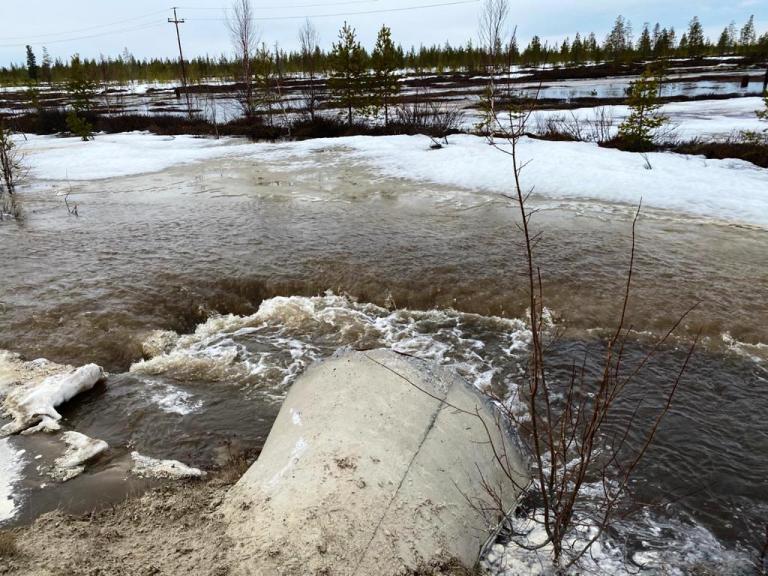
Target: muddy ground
{"type": "Point", "coordinates": [173, 530]}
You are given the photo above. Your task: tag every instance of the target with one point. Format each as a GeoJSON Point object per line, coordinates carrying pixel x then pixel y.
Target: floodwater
{"type": "Point", "coordinates": [265, 268]}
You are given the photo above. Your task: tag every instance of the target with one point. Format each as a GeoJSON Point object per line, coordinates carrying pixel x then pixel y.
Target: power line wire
{"type": "Point", "coordinates": [380, 11]}
{"type": "Point", "coordinates": [284, 6]}
{"type": "Point", "coordinates": [78, 30]}
{"type": "Point", "coordinates": [102, 34]}
{"type": "Point", "coordinates": [261, 18]}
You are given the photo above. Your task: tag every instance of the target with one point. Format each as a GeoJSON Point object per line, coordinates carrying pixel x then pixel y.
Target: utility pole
{"type": "Point", "coordinates": [175, 20]}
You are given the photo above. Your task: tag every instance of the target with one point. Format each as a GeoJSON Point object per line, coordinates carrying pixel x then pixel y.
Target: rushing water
{"type": "Point", "coordinates": [237, 256]}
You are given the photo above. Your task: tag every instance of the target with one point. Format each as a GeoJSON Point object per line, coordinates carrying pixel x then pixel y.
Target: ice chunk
{"type": "Point", "coordinates": [147, 467]}
{"type": "Point", "coordinates": [11, 464]}
{"type": "Point", "coordinates": [33, 406]}
{"type": "Point", "coordinates": [80, 449]}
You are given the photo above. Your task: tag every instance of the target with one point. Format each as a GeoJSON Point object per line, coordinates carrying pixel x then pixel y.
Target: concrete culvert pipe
{"type": "Point", "coordinates": [377, 464]}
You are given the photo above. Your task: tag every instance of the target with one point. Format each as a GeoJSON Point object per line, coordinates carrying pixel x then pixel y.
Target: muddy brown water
{"type": "Point", "coordinates": [169, 250]}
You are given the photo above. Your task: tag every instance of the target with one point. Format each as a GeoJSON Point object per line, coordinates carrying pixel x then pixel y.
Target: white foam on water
{"type": "Point", "coordinates": [271, 348]}
{"type": "Point", "coordinates": [172, 400]}
{"type": "Point", "coordinates": [268, 350]}
{"type": "Point", "coordinates": [757, 353]}
{"type": "Point", "coordinates": [667, 546]}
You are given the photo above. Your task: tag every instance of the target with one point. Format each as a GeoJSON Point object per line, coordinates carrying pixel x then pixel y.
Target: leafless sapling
{"type": "Point", "coordinates": [566, 424]}
{"type": "Point", "coordinates": [309, 40]}
{"type": "Point", "coordinates": [245, 39]}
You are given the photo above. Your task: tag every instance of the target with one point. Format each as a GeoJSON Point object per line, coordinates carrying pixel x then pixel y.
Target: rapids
{"type": "Point", "coordinates": [205, 290]}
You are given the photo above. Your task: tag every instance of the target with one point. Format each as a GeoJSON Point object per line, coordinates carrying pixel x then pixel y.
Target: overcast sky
{"type": "Point", "coordinates": [92, 27]}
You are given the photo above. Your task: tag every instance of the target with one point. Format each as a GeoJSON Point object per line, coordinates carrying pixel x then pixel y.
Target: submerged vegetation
{"type": "Point", "coordinates": [11, 167]}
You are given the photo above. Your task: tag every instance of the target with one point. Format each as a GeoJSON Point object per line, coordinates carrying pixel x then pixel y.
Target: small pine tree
{"type": "Point", "coordinates": [32, 69]}
{"type": "Point", "coordinates": [763, 114]}
{"type": "Point", "coordinates": [386, 86]}
{"type": "Point", "coordinates": [637, 132]}
{"type": "Point", "coordinates": [81, 92]}
{"type": "Point", "coordinates": [348, 82]}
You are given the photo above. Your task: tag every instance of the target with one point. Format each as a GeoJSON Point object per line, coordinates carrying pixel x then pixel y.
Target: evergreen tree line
{"type": "Point", "coordinates": [619, 46]}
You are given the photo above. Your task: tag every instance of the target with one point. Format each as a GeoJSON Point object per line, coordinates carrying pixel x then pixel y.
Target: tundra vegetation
{"type": "Point", "coordinates": [618, 47]}
{"type": "Point", "coordinates": [350, 89]}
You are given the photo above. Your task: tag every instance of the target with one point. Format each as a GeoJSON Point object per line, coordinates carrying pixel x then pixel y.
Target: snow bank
{"type": "Point", "coordinates": [15, 372]}
{"type": "Point", "coordinates": [113, 155]}
{"type": "Point", "coordinates": [80, 449]}
{"type": "Point", "coordinates": [11, 464]}
{"type": "Point", "coordinates": [696, 119]}
{"type": "Point", "coordinates": [730, 190]}
{"type": "Point", "coordinates": [717, 189]}
{"type": "Point", "coordinates": [147, 467]}
{"type": "Point", "coordinates": [33, 406]}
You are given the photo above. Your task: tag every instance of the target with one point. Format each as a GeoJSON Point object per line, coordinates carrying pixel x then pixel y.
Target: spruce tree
{"type": "Point", "coordinates": [727, 40]}
{"type": "Point", "coordinates": [534, 52]}
{"type": "Point", "coordinates": [695, 38]}
{"type": "Point", "coordinates": [32, 69]}
{"type": "Point", "coordinates": [347, 81]}
{"type": "Point", "coordinates": [644, 46]}
{"type": "Point", "coordinates": [385, 83]}
{"type": "Point", "coordinates": [513, 52]}
{"type": "Point", "coordinates": [592, 48]}
{"type": "Point", "coordinates": [577, 50]}
{"type": "Point", "coordinates": [661, 46]}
